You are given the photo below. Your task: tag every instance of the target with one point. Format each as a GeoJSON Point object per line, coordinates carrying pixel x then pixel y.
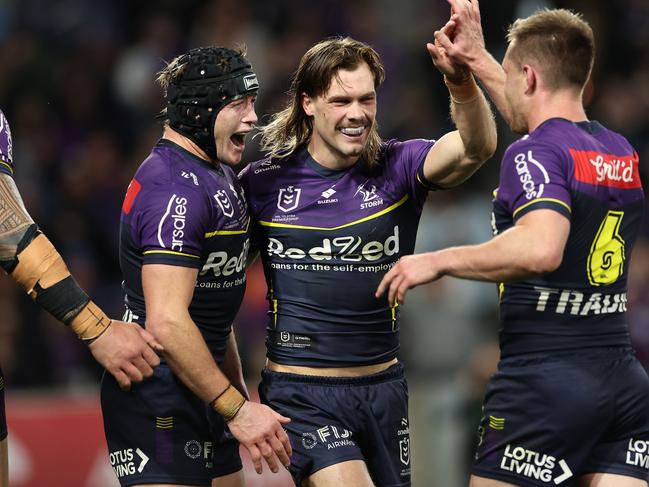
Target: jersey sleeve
{"type": "Point", "coordinates": [408, 160]}
{"type": "Point", "coordinates": [171, 225]}
{"type": "Point", "coordinates": [6, 157]}
{"type": "Point", "coordinates": [534, 176]}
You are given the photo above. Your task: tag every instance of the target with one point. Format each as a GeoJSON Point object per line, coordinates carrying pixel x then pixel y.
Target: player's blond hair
{"type": "Point", "coordinates": [558, 42]}
{"type": "Point", "coordinates": [292, 127]}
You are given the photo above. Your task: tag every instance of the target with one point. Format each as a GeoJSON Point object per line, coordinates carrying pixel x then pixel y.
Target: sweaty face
{"type": "Point", "coordinates": [342, 117]}
{"type": "Point", "coordinates": [515, 87]}
{"type": "Point", "coordinates": [233, 123]}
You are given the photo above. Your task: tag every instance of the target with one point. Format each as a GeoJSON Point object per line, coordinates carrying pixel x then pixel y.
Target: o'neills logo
{"type": "Point", "coordinates": [606, 169]}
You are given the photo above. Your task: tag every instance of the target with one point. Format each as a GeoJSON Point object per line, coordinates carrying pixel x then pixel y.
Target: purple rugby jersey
{"type": "Point", "coordinates": [180, 210]}
{"type": "Point", "coordinates": [326, 239]}
{"type": "Point", "coordinates": [6, 157]}
{"type": "Point", "coordinates": [590, 175]}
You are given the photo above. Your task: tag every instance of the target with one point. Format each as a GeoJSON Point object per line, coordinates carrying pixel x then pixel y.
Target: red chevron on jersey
{"type": "Point", "coordinates": [606, 169]}
{"type": "Point", "coordinates": [131, 193]}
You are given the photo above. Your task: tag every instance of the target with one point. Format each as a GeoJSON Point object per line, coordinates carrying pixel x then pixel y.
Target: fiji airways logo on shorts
{"type": "Point", "coordinates": [331, 436]}
{"type": "Point", "coordinates": [195, 449]}
{"type": "Point", "coordinates": [528, 181]}
{"type": "Point", "coordinates": [606, 169]}
{"type": "Point", "coordinates": [370, 196]}
{"type": "Point", "coordinates": [224, 202]}
{"type": "Point", "coordinates": [288, 198]}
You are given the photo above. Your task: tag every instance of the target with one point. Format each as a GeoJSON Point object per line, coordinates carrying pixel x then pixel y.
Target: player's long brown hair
{"type": "Point", "coordinates": [292, 127]}
{"type": "Point", "coordinates": [559, 43]}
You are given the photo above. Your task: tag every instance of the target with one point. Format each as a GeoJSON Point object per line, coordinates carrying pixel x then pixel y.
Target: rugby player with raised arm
{"type": "Point", "coordinates": [569, 404]}
{"type": "Point", "coordinates": [334, 207]}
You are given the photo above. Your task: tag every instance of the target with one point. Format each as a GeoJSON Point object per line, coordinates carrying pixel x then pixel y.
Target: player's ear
{"type": "Point", "coordinates": [531, 79]}
{"type": "Point", "coordinates": [307, 104]}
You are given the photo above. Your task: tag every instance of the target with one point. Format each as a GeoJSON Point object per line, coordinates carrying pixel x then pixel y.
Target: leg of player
{"type": "Point", "coordinates": [353, 472]}
{"type": "Point", "coordinates": [4, 464]}
{"type": "Point", "coordinates": [476, 481]}
{"type": "Point", "coordinates": [610, 480]}
{"type": "Point", "coordinates": [232, 480]}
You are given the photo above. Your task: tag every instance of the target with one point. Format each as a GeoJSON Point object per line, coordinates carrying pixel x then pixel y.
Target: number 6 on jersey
{"type": "Point", "coordinates": [606, 257]}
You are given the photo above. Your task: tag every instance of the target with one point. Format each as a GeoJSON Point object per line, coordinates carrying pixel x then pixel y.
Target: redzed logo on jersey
{"type": "Point", "coordinates": [606, 169]}
{"type": "Point", "coordinates": [131, 193]}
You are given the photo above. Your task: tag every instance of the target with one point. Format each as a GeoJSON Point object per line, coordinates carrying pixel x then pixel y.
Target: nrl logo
{"type": "Point", "coordinates": [288, 198]}
{"type": "Point", "coordinates": [224, 202]}
{"type": "Point", "coordinates": [404, 451]}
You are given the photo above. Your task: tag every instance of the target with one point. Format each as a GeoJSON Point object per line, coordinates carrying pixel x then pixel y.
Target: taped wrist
{"type": "Point", "coordinates": [228, 403]}
{"type": "Point", "coordinates": [45, 277]}
{"type": "Point", "coordinates": [462, 91]}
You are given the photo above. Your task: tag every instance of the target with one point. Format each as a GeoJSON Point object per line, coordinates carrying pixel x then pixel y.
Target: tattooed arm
{"type": "Point", "coordinates": [14, 219]}
{"type": "Point", "coordinates": [125, 350]}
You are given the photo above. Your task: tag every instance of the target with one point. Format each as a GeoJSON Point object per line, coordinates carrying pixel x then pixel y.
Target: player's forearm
{"type": "Point", "coordinates": [477, 128]}
{"type": "Point", "coordinates": [231, 366]}
{"type": "Point", "coordinates": [33, 262]}
{"type": "Point", "coordinates": [514, 255]}
{"type": "Point", "coordinates": [492, 77]}
{"type": "Point", "coordinates": [187, 353]}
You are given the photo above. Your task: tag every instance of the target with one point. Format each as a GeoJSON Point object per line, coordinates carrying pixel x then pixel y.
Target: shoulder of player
{"type": "Point", "coordinates": [392, 149]}
{"type": "Point", "coordinates": [164, 168]}
{"type": "Point", "coordinates": [535, 143]}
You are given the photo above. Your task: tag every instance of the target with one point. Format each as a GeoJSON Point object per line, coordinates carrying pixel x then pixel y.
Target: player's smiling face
{"type": "Point", "coordinates": [342, 117]}
{"type": "Point", "coordinates": [233, 123]}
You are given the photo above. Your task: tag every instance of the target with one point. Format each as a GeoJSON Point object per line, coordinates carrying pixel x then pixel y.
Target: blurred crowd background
{"type": "Point", "coordinates": [76, 83]}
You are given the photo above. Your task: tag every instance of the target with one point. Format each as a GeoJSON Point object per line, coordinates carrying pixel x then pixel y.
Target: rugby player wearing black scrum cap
{"type": "Point", "coordinates": [184, 241]}
{"type": "Point", "coordinates": [31, 259]}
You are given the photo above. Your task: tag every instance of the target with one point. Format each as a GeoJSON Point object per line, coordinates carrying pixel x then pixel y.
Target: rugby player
{"type": "Point", "coordinates": [124, 350]}
{"type": "Point", "coordinates": [569, 404]}
{"type": "Point", "coordinates": [333, 208]}
{"type": "Point", "coordinates": [184, 240]}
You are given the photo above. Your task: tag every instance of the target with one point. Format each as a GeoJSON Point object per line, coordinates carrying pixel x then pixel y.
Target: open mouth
{"type": "Point", "coordinates": [239, 140]}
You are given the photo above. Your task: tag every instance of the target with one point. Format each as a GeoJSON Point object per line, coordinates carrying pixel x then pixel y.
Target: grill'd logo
{"type": "Point", "coordinates": [606, 169]}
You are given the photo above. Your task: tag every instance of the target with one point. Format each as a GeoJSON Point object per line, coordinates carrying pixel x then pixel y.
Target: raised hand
{"type": "Point", "coordinates": [454, 71]}
{"type": "Point", "coordinates": [461, 38]}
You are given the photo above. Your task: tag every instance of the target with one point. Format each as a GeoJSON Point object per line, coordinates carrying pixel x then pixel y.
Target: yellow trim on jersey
{"type": "Point", "coordinates": [394, 315]}
{"type": "Point", "coordinates": [171, 252]}
{"type": "Point", "coordinates": [10, 168]}
{"type": "Point", "coordinates": [553, 200]}
{"type": "Point", "coordinates": [501, 290]}
{"type": "Point", "coordinates": [228, 232]}
{"type": "Point", "coordinates": [371, 217]}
